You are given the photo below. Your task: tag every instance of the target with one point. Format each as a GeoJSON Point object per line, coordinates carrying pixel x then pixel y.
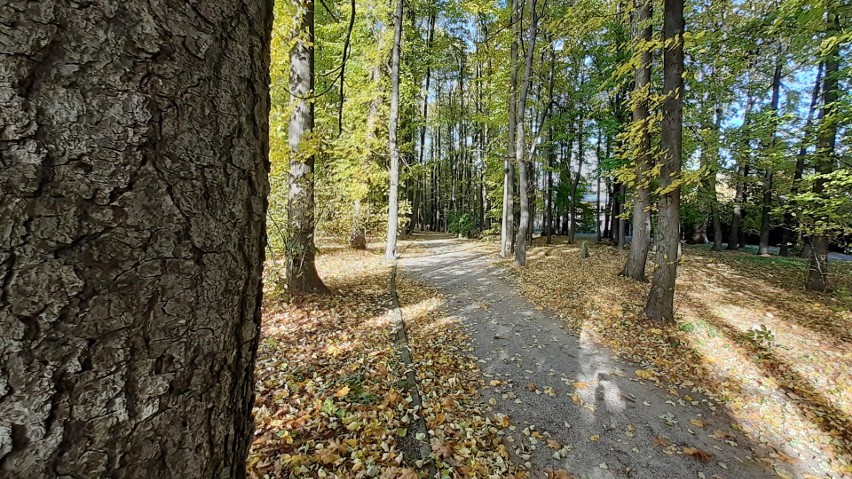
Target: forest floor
{"type": "Point", "coordinates": [776, 359]}
{"type": "Point", "coordinates": [548, 371]}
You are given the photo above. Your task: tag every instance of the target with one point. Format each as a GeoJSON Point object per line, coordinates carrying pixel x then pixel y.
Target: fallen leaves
{"type": "Point", "coordinates": [557, 474]}
{"type": "Point", "coordinates": [466, 439]}
{"type": "Point", "coordinates": [697, 422]}
{"type": "Point", "coordinates": [696, 453]}
{"type": "Point", "coordinates": [793, 392]}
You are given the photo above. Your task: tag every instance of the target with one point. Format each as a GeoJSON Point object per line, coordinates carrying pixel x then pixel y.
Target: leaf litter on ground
{"type": "Point", "coordinates": [330, 385]}
{"type": "Point", "coordinates": [747, 336]}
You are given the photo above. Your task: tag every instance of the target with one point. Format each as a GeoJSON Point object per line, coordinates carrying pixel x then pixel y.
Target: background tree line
{"type": "Point", "coordinates": [565, 116]}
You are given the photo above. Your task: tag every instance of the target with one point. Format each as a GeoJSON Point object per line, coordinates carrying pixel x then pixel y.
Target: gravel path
{"type": "Point", "coordinates": [614, 426]}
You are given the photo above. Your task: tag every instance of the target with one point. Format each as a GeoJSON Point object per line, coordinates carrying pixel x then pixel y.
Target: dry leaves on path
{"type": "Point", "coordinates": [466, 440]}
{"type": "Point", "coordinates": [747, 335]}
{"type": "Point", "coordinates": [330, 391]}
{"type": "Point", "coordinates": [328, 379]}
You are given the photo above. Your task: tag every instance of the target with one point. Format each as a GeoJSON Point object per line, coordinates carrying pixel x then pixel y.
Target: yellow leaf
{"type": "Point", "coordinates": [644, 374]}
{"type": "Point", "coordinates": [781, 473]}
{"type": "Point", "coordinates": [342, 392]}
{"type": "Point", "coordinates": [696, 422]}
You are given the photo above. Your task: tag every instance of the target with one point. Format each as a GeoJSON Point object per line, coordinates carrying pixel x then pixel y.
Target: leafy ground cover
{"type": "Point", "coordinates": [747, 335]}
{"type": "Point", "coordinates": [331, 398]}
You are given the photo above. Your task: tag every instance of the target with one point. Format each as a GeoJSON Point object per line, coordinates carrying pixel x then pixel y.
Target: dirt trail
{"type": "Point", "coordinates": [556, 385]}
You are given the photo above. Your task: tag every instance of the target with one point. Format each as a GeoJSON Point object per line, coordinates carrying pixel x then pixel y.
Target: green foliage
{"type": "Point", "coordinates": [761, 336]}
{"type": "Point", "coordinates": [829, 212]}
{"type": "Point", "coordinates": [462, 223]}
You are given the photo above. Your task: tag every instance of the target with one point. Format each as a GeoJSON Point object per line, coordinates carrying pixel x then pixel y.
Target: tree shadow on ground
{"type": "Point", "coordinates": [593, 299]}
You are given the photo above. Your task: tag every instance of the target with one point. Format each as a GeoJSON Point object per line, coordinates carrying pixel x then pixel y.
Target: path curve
{"type": "Point", "coordinates": [611, 425]}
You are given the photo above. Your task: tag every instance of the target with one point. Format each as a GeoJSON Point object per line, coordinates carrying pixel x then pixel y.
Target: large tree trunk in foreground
{"type": "Point", "coordinates": [134, 202]}
{"type": "Point", "coordinates": [660, 304]}
{"type": "Point", "coordinates": [393, 195]}
{"type": "Point", "coordinates": [302, 273]}
{"type": "Point", "coordinates": [825, 162]}
{"type": "Point", "coordinates": [641, 243]}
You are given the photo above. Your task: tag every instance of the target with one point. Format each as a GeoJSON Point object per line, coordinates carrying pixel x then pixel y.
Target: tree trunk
{"type": "Point", "coordinates": [133, 236]}
{"type": "Point", "coordinates": [769, 173]}
{"type": "Point", "coordinates": [711, 182]}
{"type": "Point", "coordinates": [574, 186]}
{"type": "Point", "coordinates": [742, 174]}
{"type": "Point", "coordinates": [622, 196]}
{"type": "Point", "coordinates": [523, 166]}
{"type": "Point", "coordinates": [507, 225]}
{"type": "Point", "coordinates": [358, 234]}
{"type": "Point", "coordinates": [641, 243]}
{"type": "Point", "coordinates": [818, 272]}
{"type": "Point", "coordinates": [548, 214]}
{"type": "Point", "coordinates": [301, 271]}
{"type": "Point", "coordinates": [393, 121]}
{"type": "Point", "coordinates": [660, 304]}
{"type": "Point", "coordinates": [787, 238]}
{"type": "Point", "coordinates": [607, 233]}
{"type": "Point", "coordinates": [598, 233]}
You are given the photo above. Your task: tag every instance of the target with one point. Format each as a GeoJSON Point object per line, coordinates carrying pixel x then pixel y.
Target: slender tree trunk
{"type": "Point", "coordinates": [507, 225]}
{"type": "Point", "coordinates": [393, 121]}
{"type": "Point", "coordinates": [617, 209]}
{"type": "Point", "coordinates": [622, 196]}
{"type": "Point", "coordinates": [607, 233]}
{"type": "Point", "coordinates": [523, 166]}
{"type": "Point", "coordinates": [660, 304]}
{"type": "Point", "coordinates": [742, 174]}
{"type": "Point", "coordinates": [548, 214]}
{"type": "Point", "coordinates": [429, 38]}
{"type": "Point", "coordinates": [301, 271]}
{"type": "Point", "coordinates": [358, 235]}
{"type": "Point", "coordinates": [133, 237]}
{"type": "Point", "coordinates": [575, 186]}
{"type": "Point", "coordinates": [598, 189]}
{"type": "Point", "coordinates": [818, 279]}
{"type": "Point", "coordinates": [769, 173]}
{"type": "Point", "coordinates": [787, 238]}
{"type": "Point", "coordinates": [711, 182]}
{"type": "Point", "coordinates": [641, 242]}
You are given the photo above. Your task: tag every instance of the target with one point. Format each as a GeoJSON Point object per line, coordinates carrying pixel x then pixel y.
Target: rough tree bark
{"type": "Point", "coordinates": [825, 161]}
{"type": "Point", "coordinates": [302, 273]}
{"type": "Point", "coordinates": [641, 243]}
{"type": "Point", "coordinates": [393, 195]}
{"type": "Point", "coordinates": [133, 145]}
{"type": "Point", "coordinates": [660, 304]}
